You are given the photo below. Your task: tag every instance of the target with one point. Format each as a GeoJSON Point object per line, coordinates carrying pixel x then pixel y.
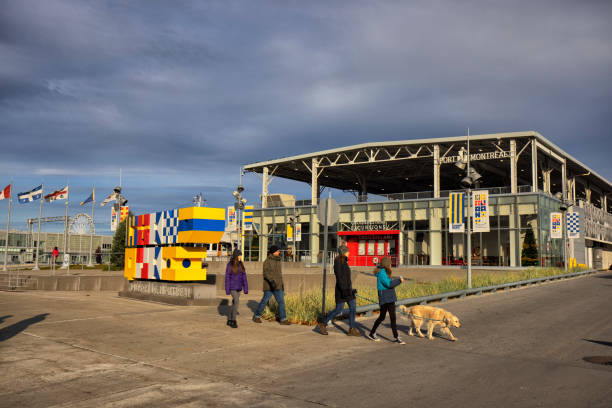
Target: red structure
{"type": "Point", "coordinates": [368, 247]}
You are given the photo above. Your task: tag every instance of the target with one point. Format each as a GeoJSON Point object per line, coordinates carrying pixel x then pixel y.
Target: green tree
{"type": "Point", "coordinates": [529, 254]}
{"type": "Point", "coordinates": [118, 248]}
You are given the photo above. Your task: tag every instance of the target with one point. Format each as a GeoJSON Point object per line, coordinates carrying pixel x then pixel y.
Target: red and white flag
{"type": "Point", "coordinates": [57, 195]}
{"type": "Point", "coordinates": [6, 193]}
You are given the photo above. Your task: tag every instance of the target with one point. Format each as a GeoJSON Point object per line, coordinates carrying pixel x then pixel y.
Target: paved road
{"type": "Point", "coordinates": [521, 348]}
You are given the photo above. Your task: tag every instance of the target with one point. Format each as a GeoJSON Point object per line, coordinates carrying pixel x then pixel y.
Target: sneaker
{"type": "Point", "coordinates": [285, 322]}
{"type": "Point", "coordinates": [257, 319]}
{"type": "Point", "coordinates": [398, 341]}
{"type": "Point", "coordinates": [354, 332]}
{"type": "Point", "coordinates": [373, 337]}
{"type": "Point", "coordinates": [322, 328]}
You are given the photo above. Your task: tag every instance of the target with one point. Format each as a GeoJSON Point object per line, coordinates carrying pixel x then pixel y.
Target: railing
{"type": "Point", "coordinates": [443, 297]}
{"type": "Point", "coordinates": [415, 195]}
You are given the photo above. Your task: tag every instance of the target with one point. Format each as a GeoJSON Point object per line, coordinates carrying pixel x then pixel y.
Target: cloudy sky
{"type": "Point", "coordinates": [180, 94]}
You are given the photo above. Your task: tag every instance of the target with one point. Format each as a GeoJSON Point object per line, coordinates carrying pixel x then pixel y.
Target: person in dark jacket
{"type": "Point", "coordinates": [99, 255]}
{"type": "Point", "coordinates": [344, 293]}
{"type": "Point", "coordinates": [272, 285]}
{"type": "Point", "coordinates": [386, 299]}
{"type": "Point", "coordinates": [235, 282]}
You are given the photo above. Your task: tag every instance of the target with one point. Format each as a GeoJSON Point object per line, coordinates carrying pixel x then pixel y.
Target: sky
{"type": "Point", "coordinates": [180, 94]}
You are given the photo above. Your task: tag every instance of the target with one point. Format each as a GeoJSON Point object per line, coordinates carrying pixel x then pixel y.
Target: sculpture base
{"type": "Point", "coordinates": [182, 294]}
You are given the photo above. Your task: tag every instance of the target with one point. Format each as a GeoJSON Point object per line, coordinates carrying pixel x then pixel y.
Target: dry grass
{"type": "Point", "coordinates": [305, 306]}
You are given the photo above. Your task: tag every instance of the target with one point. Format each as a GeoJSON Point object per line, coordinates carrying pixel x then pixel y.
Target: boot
{"type": "Point", "coordinates": [229, 322]}
{"type": "Point", "coordinates": [322, 328]}
{"type": "Point", "coordinates": [234, 324]}
{"type": "Point", "coordinates": [354, 332]}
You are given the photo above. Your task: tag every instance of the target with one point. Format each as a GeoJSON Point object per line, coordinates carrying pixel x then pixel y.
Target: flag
{"type": "Point", "coordinates": [480, 211]}
{"type": "Point", "coordinates": [108, 199]}
{"type": "Point", "coordinates": [555, 225]}
{"type": "Point", "coordinates": [6, 193]}
{"type": "Point", "coordinates": [32, 195]}
{"type": "Point", "coordinates": [57, 195]}
{"type": "Point", "coordinates": [92, 197]}
{"type": "Point", "coordinates": [573, 225]}
{"type": "Point", "coordinates": [456, 212]}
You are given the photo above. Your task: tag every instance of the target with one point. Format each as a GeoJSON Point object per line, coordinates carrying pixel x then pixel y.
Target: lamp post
{"type": "Point", "coordinates": [239, 206]}
{"type": "Point", "coordinates": [563, 206]}
{"type": "Point", "coordinates": [294, 220]}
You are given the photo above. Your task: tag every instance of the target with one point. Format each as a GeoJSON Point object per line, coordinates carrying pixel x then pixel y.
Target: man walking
{"type": "Point", "coordinates": [272, 285]}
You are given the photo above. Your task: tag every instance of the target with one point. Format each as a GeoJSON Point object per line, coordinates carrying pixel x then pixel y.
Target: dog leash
{"type": "Point", "coordinates": [403, 313]}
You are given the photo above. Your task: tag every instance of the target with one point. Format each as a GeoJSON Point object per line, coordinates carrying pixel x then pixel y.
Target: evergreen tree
{"type": "Point", "coordinates": [529, 254]}
{"type": "Point", "coordinates": [118, 248]}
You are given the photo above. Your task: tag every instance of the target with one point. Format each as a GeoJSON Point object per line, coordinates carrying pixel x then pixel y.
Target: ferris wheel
{"type": "Point", "coordinates": [81, 224]}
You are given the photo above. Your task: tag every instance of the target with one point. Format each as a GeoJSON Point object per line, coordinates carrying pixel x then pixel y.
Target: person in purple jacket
{"type": "Point", "coordinates": [235, 282]}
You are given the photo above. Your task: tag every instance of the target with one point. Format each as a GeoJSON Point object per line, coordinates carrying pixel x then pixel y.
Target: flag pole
{"type": "Point", "coordinates": [8, 226]}
{"type": "Point", "coordinates": [42, 197]}
{"type": "Point", "coordinates": [93, 204]}
{"type": "Point", "coordinates": [66, 237]}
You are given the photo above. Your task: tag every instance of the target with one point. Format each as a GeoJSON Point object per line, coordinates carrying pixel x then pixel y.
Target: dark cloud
{"type": "Point", "coordinates": [180, 94]}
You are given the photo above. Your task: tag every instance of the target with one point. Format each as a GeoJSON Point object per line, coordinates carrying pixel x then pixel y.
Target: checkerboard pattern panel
{"type": "Point", "coordinates": [573, 225]}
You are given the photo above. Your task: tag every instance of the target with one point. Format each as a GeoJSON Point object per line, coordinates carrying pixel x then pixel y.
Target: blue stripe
{"type": "Point", "coordinates": [196, 224]}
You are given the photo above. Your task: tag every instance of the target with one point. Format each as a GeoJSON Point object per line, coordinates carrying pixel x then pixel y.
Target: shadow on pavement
{"type": "Point", "coordinates": [14, 329]}
{"type": "Point", "coordinates": [606, 276]}
{"type": "Point", "coordinates": [603, 343]}
{"type": "Point", "coordinates": [3, 318]}
{"type": "Point", "coordinates": [224, 307]}
{"type": "Point", "coordinates": [252, 305]}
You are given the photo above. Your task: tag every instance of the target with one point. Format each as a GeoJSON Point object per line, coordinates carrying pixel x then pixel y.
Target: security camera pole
{"type": "Point", "coordinates": [469, 218]}
{"type": "Point", "coordinates": [239, 206]}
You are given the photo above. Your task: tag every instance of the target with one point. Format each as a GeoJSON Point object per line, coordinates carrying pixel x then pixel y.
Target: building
{"type": "Point", "coordinates": [22, 246]}
{"type": "Point", "coordinates": [401, 199]}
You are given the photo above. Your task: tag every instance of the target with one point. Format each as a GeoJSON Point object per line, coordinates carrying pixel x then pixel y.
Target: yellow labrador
{"type": "Point", "coordinates": [433, 316]}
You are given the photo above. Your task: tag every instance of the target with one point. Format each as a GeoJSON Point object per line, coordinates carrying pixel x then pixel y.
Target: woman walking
{"type": "Point", "coordinates": [386, 299]}
{"type": "Point", "coordinates": [235, 282]}
{"type": "Point", "coordinates": [344, 292]}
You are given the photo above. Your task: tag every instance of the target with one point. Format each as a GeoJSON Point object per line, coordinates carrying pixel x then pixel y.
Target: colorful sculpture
{"type": "Point", "coordinates": [159, 246]}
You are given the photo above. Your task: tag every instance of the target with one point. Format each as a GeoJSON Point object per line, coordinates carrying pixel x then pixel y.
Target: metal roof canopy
{"type": "Point", "coordinates": [407, 165]}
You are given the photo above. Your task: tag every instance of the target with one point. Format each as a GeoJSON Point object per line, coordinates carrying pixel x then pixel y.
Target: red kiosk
{"type": "Point", "coordinates": [368, 247]}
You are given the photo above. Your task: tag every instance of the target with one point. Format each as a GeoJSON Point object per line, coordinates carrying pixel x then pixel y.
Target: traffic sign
{"type": "Point", "coordinates": [333, 211]}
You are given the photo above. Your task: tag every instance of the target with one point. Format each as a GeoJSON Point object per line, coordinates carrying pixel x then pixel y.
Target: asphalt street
{"type": "Point", "coordinates": [521, 348]}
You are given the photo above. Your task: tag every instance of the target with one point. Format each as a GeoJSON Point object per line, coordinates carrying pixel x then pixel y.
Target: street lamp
{"type": "Point", "coordinates": [294, 220]}
{"type": "Point", "coordinates": [563, 206]}
{"type": "Point", "coordinates": [239, 206]}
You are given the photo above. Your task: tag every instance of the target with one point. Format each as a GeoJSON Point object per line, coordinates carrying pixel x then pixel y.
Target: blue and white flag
{"type": "Point", "coordinates": [32, 195]}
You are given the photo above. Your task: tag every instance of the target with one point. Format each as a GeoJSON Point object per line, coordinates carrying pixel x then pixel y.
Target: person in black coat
{"type": "Point", "coordinates": [344, 292]}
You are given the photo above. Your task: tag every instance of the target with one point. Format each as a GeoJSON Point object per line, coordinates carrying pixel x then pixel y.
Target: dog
{"type": "Point", "coordinates": [433, 316]}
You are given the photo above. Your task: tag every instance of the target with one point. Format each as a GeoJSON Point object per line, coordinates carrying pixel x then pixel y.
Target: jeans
{"type": "Point", "coordinates": [235, 302]}
{"type": "Point", "coordinates": [387, 307]}
{"type": "Point", "coordinates": [279, 295]}
{"type": "Point", "coordinates": [339, 307]}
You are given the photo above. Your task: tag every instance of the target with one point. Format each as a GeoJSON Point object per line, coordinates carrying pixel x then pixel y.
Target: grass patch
{"type": "Point", "coordinates": [305, 308]}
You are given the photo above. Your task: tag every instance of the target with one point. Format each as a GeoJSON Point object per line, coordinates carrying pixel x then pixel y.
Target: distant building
{"type": "Point", "coordinates": [22, 246]}
{"type": "Point", "coordinates": [401, 202]}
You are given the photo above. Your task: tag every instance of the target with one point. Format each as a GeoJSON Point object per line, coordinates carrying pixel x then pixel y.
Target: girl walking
{"type": "Point", "coordinates": [386, 299]}
{"type": "Point", "coordinates": [344, 293]}
{"type": "Point", "coordinates": [235, 282]}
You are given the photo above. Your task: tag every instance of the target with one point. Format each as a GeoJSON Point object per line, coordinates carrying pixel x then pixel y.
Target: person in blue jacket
{"type": "Point", "coordinates": [386, 299]}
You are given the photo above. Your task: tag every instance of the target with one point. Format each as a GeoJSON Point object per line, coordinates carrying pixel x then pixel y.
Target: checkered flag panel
{"type": "Point", "coordinates": [573, 225]}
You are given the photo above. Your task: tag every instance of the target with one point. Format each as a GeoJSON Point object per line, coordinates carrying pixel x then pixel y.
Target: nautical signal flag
{"type": "Point", "coordinates": [108, 199]}
{"type": "Point", "coordinates": [32, 195]}
{"type": "Point", "coordinates": [456, 212]}
{"type": "Point", "coordinates": [92, 197]}
{"type": "Point", "coordinates": [57, 195]}
{"type": "Point", "coordinates": [6, 193]}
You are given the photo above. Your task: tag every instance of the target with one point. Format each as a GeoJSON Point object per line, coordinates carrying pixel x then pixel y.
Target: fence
{"type": "Point", "coordinates": [442, 297]}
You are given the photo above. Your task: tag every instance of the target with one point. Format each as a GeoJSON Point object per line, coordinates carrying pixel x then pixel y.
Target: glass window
{"type": "Point", "coordinates": [380, 249]}
{"type": "Point", "coordinates": [362, 245]}
{"type": "Point", "coordinates": [371, 244]}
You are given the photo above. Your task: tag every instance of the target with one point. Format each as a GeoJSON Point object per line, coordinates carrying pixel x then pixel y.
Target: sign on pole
{"type": "Point", "coordinates": [289, 233]}
{"type": "Point", "coordinates": [573, 225]}
{"type": "Point", "coordinates": [231, 218]}
{"type": "Point", "coordinates": [298, 232]}
{"type": "Point", "coordinates": [556, 225]}
{"type": "Point", "coordinates": [248, 218]}
{"type": "Point", "coordinates": [455, 212]}
{"type": "Point", "coordinates": [480, 211]}
{"type": "Point", "coordinates": [114, 219]}
{"type": "Point", "coordinates": [334, 211]}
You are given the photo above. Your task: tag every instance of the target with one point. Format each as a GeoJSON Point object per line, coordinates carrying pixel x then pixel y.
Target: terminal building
{"type": "Point", "coordinates": [400, 204]}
